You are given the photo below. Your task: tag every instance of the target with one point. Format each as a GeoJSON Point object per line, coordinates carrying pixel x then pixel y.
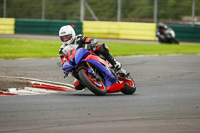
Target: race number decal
{"type": "Point", "coordinates": [70, 54]}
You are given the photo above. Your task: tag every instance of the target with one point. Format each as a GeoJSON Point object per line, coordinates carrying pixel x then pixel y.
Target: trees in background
{"type": "Point", "coordinates": [131, 10]}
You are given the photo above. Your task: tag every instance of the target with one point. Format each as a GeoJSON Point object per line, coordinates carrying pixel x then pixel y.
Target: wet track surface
{"type": "Point", "coordinates": [167, 99]}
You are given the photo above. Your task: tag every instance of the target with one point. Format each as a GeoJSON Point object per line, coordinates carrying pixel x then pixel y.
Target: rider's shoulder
{"type": "Point", "coordinates": [81, 36]}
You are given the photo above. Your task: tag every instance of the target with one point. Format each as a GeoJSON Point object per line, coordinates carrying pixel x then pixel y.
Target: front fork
{"type": "Point", "coordinates": [92, 72]}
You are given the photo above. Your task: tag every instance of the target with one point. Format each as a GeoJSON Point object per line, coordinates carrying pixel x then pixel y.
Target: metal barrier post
{"type": "Point", "coordinates": [155, 10]}
{"type": "Point", "coordinates": [4, 8]}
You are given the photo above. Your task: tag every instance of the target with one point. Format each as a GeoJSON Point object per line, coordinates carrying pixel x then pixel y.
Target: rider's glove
{"type": "Point", "coordinates": [93, 44]}
{"type": "Point", "coordinates": [91, 47]}
{"type": "Point", "coordinates": [117, 65]}
{"type": "Point", "coordinates": [65, 74]}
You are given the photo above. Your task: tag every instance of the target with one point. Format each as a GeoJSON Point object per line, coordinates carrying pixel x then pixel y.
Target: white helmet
{"type": "Point", "coordinates": [67, 34]}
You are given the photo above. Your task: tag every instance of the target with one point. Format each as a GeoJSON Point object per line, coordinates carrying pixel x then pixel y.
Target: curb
{"type": "Point", "coordinates": [36, 86]}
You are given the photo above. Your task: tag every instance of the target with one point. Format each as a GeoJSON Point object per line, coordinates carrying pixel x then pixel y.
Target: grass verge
{"type": "Point", "coordinates": [27, 48]}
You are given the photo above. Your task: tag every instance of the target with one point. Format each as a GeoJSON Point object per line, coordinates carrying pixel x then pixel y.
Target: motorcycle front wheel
{"type": "Point", "coordinates": [93, 84]}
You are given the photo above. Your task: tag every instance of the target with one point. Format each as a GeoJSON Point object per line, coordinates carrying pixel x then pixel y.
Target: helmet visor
{"type": "Point", "coordinates": [65, 38]}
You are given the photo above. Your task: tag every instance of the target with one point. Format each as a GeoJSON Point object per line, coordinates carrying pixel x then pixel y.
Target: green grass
{"type": "Point", "coordinates": [123, 49]}
{"type": "Point", "coordinates": [27, 48]}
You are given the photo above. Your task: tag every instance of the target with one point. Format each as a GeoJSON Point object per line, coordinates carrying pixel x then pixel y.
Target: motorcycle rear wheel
{"type": "Point", "coordinates": [129, 86]}
{"type": "Point", "coordinates": [97, 87]}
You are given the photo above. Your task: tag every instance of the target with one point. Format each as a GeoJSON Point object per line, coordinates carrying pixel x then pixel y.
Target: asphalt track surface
{"type": "Point", "coordinates": [167, 99]}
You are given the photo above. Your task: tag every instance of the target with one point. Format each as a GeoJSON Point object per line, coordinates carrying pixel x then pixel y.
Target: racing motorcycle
{"type": "Point", "coordinates": [166, 35]}
{"type": "Point", "coordinates": [97, 74]}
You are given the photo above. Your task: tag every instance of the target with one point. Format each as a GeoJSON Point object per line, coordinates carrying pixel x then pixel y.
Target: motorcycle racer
{"type": "Point", "coordinates": [72, 41]}
{"type": "Point", "coordinates": [165, 34]}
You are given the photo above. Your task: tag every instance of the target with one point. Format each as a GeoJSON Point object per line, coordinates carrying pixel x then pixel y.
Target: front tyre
{"type": "Point", "coordinates": [90, 81]}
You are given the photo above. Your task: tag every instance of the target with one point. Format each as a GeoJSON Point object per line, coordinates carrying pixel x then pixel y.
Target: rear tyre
{"type": "Point", "coordinates": [97, 87]}
{"type": "Point", "coordinates": [129, 86]}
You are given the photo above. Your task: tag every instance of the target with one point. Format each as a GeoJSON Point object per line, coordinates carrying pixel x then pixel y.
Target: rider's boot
{"type": "Point", "coordinates": [116, 64]}
{"type": "Point", "coordinates": [78, 85]}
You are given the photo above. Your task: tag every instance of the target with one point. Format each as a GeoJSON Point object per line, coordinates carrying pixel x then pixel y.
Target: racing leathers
{"type": "Point", "coordinates": [82, 41]}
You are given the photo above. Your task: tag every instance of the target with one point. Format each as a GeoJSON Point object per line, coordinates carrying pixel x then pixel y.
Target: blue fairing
{"type": "Point", "coordinates": [109, 79]}
{"type": "Point", "coordinates": [79, 58]}
{"type": "Point", "coordinates": [81, 54]}
{"type": "Point", "coordinates": [67, 67]}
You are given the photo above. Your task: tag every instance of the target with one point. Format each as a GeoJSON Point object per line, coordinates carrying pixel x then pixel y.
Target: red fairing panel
{"type": "Point", "coordinates": [115, 87]}
{"type": "Point", "coordinates": [98, 59]}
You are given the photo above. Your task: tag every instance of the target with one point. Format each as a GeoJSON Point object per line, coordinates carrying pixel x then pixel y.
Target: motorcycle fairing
{"type": "Point", "coordinates": [115, 87]}
{"type": "Point", "coordinates": [109, 78]}
{"type": "Point", "coordinates": [67, 67]}
{"type": "Point", "coordinates": [80, 54]}
{"type": "Point", "coordinates": [83, 55]}
{"type": "Point", "coordinates": [97, 58]}
{"type": "Point", "coordinates": [110, 81]}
